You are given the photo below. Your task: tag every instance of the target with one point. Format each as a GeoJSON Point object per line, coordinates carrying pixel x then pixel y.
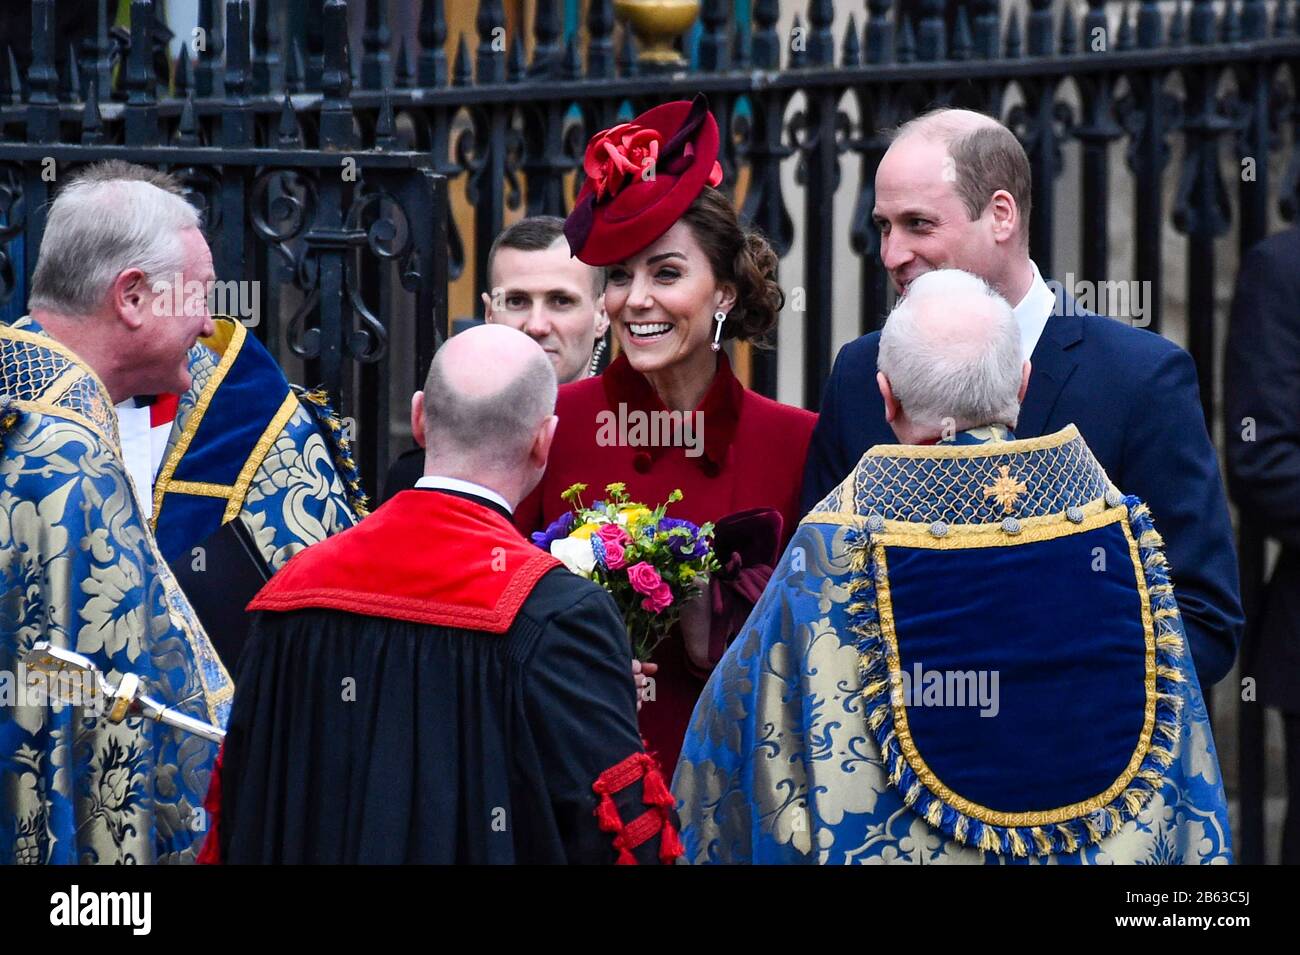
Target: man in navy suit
{"type": "Point", "coordinates": [953, 192]}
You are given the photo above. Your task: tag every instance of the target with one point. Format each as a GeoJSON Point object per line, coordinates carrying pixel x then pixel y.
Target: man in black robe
{"type": "Point", "coordinates": [430, 687]}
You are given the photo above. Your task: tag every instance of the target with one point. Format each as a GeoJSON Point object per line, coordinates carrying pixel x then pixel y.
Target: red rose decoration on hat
{"type": "Point", "coordinates": [616, 153]}
{"type": "Point", "coordinates": [621, 207]}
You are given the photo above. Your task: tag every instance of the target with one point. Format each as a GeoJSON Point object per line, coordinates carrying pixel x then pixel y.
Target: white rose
{"type": "Point", "coordinates": [575, 554]}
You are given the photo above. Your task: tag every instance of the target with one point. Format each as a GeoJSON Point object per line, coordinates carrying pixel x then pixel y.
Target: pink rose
{"type": "Point", "coordinates": [615, 559]}
{"type": "Point", "coordinates": [660, 600]}
{"type": "Point", "coordinates": [612, 534]}
{"type": "Point", "coordinates": [644, 578]}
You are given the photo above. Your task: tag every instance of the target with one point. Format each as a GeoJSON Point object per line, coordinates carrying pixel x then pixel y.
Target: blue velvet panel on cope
{"type": "Point", "coordinates": [1024, 689]}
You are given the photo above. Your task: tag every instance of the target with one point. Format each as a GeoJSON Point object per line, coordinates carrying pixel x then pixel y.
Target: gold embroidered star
{"type": "Point", "coordinates": [1006, 489]}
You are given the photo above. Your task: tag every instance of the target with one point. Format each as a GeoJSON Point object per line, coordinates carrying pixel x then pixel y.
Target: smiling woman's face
{"type": "Point", "coordinates": [662, 301]}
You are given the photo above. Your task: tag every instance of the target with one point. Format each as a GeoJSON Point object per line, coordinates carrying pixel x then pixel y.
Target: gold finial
{"type": "Point", "coordinates": [657, 23]}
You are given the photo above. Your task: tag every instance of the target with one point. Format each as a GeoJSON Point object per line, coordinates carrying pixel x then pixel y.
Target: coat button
{"type": "Point", "coordinates": [642, 462]}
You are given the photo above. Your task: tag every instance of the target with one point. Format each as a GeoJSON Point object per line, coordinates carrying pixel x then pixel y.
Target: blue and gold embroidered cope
{"type": "Point", "coordinates": [969, 652]}
{"type": "Point", "coordinates": [247, 443]}
{"type": "Point", "coordinates": [79, 568]}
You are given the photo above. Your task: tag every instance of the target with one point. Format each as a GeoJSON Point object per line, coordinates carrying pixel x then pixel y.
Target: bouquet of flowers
{"type": "Point", "coordinates": [648, 562]}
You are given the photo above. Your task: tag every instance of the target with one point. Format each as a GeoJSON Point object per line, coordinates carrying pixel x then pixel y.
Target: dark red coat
{"type": "Point", "coordinates": [753, 456]}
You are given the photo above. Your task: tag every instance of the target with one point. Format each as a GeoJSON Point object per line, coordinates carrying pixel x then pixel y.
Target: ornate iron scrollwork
{"type": "Point", "coordinates": [13, 210]}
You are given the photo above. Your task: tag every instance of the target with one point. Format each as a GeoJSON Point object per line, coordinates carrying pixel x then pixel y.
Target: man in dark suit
{"type": "Point", "coordinates": [1262, 425]}
{"type": "Point", "coordinates": [953, 191]}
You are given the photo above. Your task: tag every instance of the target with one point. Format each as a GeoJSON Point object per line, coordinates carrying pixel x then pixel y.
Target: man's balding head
{"type": "Point", "coordinates": [950, 358]}
{"type": "Point", "coordinates": [953, 192]}
{"type": "Point", "coordinates": [986, 157]}
{"type": "Point", "coordinates": [489, 391]}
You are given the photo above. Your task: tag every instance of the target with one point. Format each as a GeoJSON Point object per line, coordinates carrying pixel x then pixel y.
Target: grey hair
{"type": "Point", "coordinates": [111, 218]}
{"type": "Point", "coordinates": [965, 383]}
{"type": "Point", "coordinates": [495, 430]}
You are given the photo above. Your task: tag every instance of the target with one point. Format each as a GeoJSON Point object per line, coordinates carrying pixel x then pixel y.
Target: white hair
{"type": "Point", "coordinates": [951, 352]}
{"type": "Point", "coordinates": [97, 228]}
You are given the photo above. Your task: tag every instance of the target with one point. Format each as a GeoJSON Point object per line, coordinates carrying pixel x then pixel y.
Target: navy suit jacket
{"type": "Point", "coordinates": [1262, 384]}
{"type": "Point", "coordinates": [1133, 396]}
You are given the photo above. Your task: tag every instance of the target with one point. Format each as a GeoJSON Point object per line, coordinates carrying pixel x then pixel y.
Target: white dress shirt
{"type": "Point", "coordinates": [1033, 311]}
{"type": "Point", "coordinates": [438, 482]}
{"type": "Point", "coordinates": [142, 448]}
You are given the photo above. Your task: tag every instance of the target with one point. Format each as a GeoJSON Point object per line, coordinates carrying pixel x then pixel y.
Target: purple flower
{"type": "Point", "coordinates": [558, 530]}
{"type": "Point", "coordinates": [684, 547]}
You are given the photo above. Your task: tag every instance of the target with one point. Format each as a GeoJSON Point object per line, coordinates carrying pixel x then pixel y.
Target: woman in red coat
{"type": "Point", "coordinates": [683, 275]}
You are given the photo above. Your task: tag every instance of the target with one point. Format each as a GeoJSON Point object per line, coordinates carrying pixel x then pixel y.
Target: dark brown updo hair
{"type": "Point", "coordinates": [742, 257]}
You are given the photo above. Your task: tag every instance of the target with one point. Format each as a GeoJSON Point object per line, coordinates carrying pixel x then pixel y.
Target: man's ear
{"type": "Point", "coordinates": [1006, 216]}
{"type": "Point", "coordinates": [1025, 370]}
{"type": "Point", "coordinates": [602, 318]}
{"type": "Point", "coordinates": [417, 417]}
{"type": "Point", "coordinates": [487, 307]}
{"type": "Point", "coordinates": [541, 449]}
{"type": "Point", "coordinates": [128, 296]}
{"type": "Point", "coordinates": [892, 407]}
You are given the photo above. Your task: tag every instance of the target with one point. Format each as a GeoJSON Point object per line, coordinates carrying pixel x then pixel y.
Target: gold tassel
{"type": "Point", "coordinates": [1170, 643]}
{"type": "Point", "coordinates": [1071, 840]}
{"type": "Point", "coordinates": [913, 794]}
{"type": "Point", "coordinates": [934, 815]}
{"type": "Point", "coordinates": [1017, 844]}
{"type": "Point", "coordinates": [875, 688]}
{"type": "Point", "coordinates": [1162, 756]}
{"type": "Point", "coordinates": [1094, 833]}
{"type": "Point", "coordinates": [1171, 673]}
{"type": "Point", "coordinates": [961, 829]}
{"type": "Point", "coordinates": [1040, 839]}
{"type": "Point", "coordinates": [878, 716]}
{"type": "Point", "coordinates": [989, 841]}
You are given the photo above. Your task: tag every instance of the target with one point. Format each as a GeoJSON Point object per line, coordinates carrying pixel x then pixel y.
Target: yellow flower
{"type": "Point", "coordinates": [631, 516]}
{"type": "Point", "coordinates": [585, 531]}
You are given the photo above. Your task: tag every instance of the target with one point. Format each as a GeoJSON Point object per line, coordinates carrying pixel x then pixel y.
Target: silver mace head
{"type": "Point", "coordinates": [70, 669]}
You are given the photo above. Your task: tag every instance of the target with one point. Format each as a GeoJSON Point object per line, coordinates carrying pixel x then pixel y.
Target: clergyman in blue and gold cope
{"type": "Point", "coordinates": [80, 565]}
{"type": "Point", "coordinates": [1100, 749]}
{"type": "Point", "coordinates": [970, 652]}
{"type": "Point", "coordinates": [80, 568]}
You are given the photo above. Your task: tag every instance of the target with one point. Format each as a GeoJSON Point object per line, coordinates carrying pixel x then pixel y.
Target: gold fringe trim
{"type": "Point", "coordinates": [1043, 843]}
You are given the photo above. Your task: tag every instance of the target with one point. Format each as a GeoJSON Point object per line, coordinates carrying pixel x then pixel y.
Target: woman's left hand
{"type": "Point", "coordinates": [696, 621]}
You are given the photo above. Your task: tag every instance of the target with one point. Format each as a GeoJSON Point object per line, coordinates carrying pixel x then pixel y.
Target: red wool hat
{"type": "Point", "coordinates": [641, 177]}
